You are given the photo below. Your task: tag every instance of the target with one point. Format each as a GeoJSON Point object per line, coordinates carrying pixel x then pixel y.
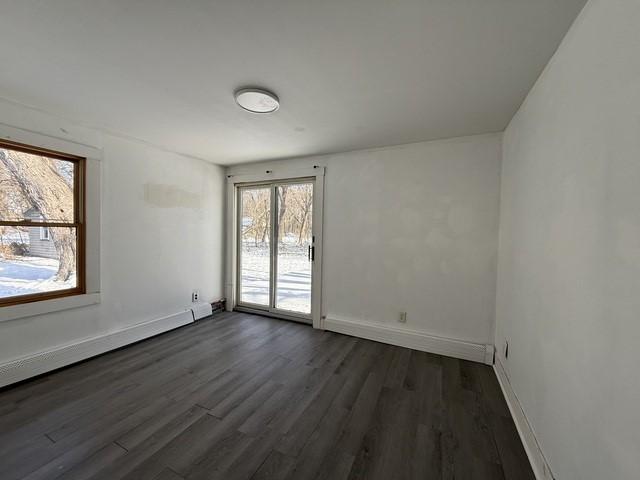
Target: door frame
{"type": "Point", "coordinates": [272, 186]}
{"type": "Point", "coordinates": [314, 175]}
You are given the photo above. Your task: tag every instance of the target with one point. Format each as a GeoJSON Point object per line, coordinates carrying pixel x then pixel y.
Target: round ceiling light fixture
{"type": "Point", "coordinates": [257, 100]}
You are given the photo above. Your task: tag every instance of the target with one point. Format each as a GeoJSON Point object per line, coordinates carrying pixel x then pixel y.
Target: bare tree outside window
{"type": "Point", "coordinates": [39, 191]}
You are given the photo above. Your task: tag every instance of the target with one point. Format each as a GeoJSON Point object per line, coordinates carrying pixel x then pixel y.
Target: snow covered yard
{"type": "Point", "coordinates": [30, 275]}
{"type": "Point", "coordinates": [293, 289]}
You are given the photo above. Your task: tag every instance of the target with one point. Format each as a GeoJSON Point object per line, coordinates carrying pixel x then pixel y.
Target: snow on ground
{"type": "Point", "coordinates": [30, 275]}
{"type": "Point", "coordinates": [293, 289]}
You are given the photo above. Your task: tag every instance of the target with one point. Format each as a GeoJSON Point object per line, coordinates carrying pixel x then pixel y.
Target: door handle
{"type": "Point", "coordinates": [311, 252]}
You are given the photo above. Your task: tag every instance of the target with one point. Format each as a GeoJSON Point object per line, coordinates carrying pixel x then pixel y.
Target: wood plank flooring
{"type": "Point", "coordinates": [241, 396]}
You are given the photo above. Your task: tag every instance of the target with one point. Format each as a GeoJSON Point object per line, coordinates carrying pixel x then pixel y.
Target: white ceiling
{"type": "Point", "coordinates": [350, 74]}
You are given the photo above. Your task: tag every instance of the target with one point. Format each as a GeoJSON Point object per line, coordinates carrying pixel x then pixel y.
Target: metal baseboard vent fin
{"type": "Point", "coordinates": [403, 337]}
{"type": "Point", "coordinates": [30, 366]}
{"type": "Point", "coordinates": [219, 305]}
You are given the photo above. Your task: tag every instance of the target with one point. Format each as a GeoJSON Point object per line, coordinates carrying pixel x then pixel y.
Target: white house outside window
{"type": "Point", "coordinates": [42, 227]}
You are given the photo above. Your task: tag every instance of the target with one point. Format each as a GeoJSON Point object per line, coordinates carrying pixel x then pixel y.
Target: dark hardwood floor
{"type": "Point", "coordinates": [245, 397]}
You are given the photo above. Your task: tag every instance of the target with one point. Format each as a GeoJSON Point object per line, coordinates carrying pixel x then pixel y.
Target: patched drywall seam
{"type": "Point", "coordinates": [170, 196]}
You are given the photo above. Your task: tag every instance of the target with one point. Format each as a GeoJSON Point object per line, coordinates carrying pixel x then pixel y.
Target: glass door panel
{"type": "Point", "coordinates": [293, 243]}
{"type": "Point", "coordinates": [254, 263]}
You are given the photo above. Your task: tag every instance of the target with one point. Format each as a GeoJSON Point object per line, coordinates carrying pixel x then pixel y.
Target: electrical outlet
{"type": "Point", "coordinates": [506, 349]}
{"type": "Point", "coordinates": [403, 317]}
{"type": "Point", "coordinates": [195, 296]}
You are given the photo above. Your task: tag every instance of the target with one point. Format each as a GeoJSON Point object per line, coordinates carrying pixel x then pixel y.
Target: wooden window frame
{"type": "Point", "coordinates": [79, 197]}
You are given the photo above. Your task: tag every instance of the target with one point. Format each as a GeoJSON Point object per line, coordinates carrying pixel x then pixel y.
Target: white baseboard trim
{"type": "Point", "coordinates": [537, 459]}
{"type": "Point", "coordinates": [414, 339]}
{"type": "Point", "coordinates": [32, 365]}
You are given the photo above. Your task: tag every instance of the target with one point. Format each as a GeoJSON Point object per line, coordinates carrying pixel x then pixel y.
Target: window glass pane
{"type": "Point", "coordinates": [293, 257]}
{"type": "Point", "coordinates": [255, 259]}
{"type": "Point", "coordinates": [32, 264]}
{"type": "Point", "coordinates": [36, 188]}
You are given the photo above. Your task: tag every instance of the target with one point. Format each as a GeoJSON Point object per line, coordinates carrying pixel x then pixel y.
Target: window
{"type": "Point", "coordinates": [44, 233]}
{"type": "Point", "coordinates": [41, 224]}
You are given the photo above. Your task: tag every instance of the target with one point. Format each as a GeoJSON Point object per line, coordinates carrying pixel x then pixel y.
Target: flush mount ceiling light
{"type": "Point", "coordinates": [257, 100]}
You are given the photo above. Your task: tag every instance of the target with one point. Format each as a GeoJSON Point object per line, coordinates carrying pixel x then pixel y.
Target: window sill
{"type": "Point", "coordinates": [13, 312]}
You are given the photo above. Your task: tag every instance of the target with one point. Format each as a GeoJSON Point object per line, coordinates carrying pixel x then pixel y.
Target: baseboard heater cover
{"type": "Point", "coordinates": [39, 363]}
{"type": "Point", "coordinates": [201, 310]}
{"type": "Point", "coordinates": [414, 339]}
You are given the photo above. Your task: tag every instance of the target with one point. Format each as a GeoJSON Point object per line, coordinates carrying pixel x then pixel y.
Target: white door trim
{"type": "Point", "coordinates": [233, 181]}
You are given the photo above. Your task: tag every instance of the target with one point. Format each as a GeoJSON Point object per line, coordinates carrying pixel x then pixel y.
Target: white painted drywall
{"type": "Point", "coordinates": [411, 228]}
{"type": "Point", "coordinates": [569, 268]}
{"type": "Point", "coordinates": [161, 237]}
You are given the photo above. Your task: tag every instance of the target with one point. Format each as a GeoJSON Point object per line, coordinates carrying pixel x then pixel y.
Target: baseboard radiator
{"type": "Point", "coordinates": [39, 363]}
{"type": "Point", "coordinates": [404, 337]}
{"type": "Point", "coordinates": [201, 310]}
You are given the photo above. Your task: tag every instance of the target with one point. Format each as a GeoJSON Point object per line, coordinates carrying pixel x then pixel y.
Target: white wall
{"type": "Point", "coordinates": [569, 265]}
{"type": "Point", "coordinates": [411, 228]}
{"type": "Point", "coordinates": [161, 237]}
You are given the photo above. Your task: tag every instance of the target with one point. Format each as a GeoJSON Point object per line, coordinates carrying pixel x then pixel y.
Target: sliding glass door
{"type": "Point", "coordinates": [276, 250]}
{"type": "Point", "coordinates": [294, 247]}
{"type": "Point", "coordinates": [254, 276]}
